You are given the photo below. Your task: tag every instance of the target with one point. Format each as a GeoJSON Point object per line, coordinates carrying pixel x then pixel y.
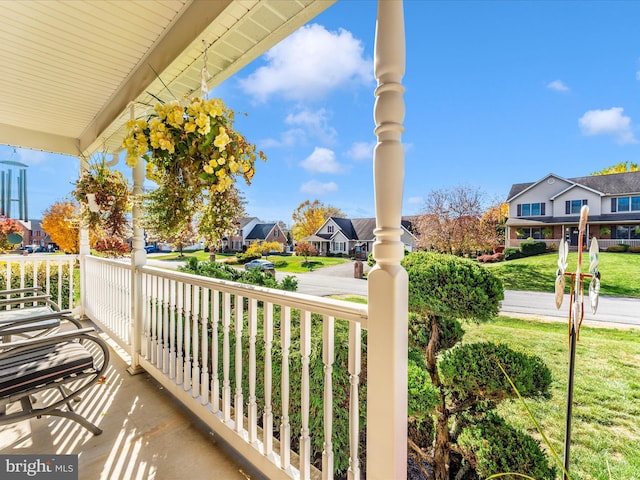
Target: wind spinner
{"type": "Point", "coordinates": [576, 309]}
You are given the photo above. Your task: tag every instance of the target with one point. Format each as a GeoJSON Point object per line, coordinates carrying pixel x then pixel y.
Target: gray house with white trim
{"type": "Point", "coordinates": [549, 209]}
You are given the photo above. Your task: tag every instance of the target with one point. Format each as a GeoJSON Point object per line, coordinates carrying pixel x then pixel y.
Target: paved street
{"type": "Point", "coordinates": [338, 280]}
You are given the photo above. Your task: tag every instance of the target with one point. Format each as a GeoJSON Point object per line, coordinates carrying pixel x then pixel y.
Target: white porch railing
{"type": "Point", "coordinates": [218, 347]}
{"type": "Point", "coordinates": [602, 243]}
{"type": "Point", "coordinates": [53, 273]}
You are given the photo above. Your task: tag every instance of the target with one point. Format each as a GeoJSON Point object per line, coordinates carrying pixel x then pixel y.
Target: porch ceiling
{"type": "Point", "coordinates": [71, 68]}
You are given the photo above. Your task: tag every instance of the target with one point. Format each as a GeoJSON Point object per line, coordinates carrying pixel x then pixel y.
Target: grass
{"type": "Point", "coordinates": [285, 264]}
{"type": "Point", "coordinates": [620, 272]}
{"type": "Point", "coordinates": [606, 393]}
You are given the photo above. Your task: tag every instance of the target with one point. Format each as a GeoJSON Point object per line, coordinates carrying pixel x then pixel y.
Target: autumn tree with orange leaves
{"type": "Point", "coordinates": [7, 227]}
{"type": "Point", "coordinates": [309, 217]}
{"type": "Point", "coordinates": [61, 221]}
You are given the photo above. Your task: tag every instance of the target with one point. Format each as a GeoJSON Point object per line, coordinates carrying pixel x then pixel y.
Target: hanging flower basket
{"type": "Point", "coordinates": [104, 196]}
{"type": "Point", "coordinates": [192, 153]}
{"type": "Point", "coordinates": [194, 146]}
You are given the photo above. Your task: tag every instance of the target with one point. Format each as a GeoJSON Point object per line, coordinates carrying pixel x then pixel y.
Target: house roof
{"type": "Point", "coordinates": [260, 231]}
{"type": "Point", "coordinates": [72, 69]}
{"type": "Point", "coordinates": [243, 222]}
{"type": "Point", "coordinates": [612, 184]}
{"type": "Point", "coordinates": [357, 228]}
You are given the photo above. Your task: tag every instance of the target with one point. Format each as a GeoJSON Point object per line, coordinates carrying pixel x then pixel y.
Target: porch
{"type": "Point", "coordinates": [217, 361]}
{"type": "Point", "coordinates": [278, 376]}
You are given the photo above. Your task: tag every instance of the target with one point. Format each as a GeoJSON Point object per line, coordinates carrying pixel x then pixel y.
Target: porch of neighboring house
{"type": "Point", "coordinates": [608, 235]}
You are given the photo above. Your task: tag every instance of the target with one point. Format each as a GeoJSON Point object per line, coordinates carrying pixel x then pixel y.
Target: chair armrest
{"type": "Point", "coordinates": [7, 349]}
{"type": "Point", "coordinates": [14, 326]}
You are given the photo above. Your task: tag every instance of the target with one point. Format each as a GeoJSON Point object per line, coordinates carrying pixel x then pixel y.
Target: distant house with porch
{"type": "Point", "coordinates": [354, 236]}
{"type": "Point", "coordinates": [33, 234]}
{"type": "Point", "coordinates": [252, 229]}
{"type": "Point", "coordinates": [549, 209]}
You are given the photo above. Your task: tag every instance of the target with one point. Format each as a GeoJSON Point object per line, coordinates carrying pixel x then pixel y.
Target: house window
{"type": "Point", "coordinates": [625, 232]}
{"type": "Point", "coordinates": [275, 233]}
{"type": "Point", "coordinates": [535, 233]}
{"type": "Point", "coordinates": [531, 209]}
{"type": "Point", "coordinates": [625, 204]}
{"type": "Point", "coordinates": [330, 228]}
{"type": "Point", "coordinates": [339, 246]}
{"type": "Point", "coordinates": [573, 207]}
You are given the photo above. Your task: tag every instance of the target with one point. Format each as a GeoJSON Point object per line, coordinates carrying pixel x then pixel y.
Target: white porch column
{"type": "Point", "coordinates": [388, 297]}
{"type": "Point", "coordinates": [84, 250]}
{"type": "Point", "coordinates": [138, 259]}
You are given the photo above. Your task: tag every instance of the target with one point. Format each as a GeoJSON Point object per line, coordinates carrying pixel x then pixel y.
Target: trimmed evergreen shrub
{"type": "Point", "coordinates": [494, 446]}
{"type": "Point", "coordinates": [512, 253]}
{"type": "Point", "coordinates": [247, 257]}
{"type": "Point", "coordinates": [620, 248]}
{"type": "Point", "coordinates": [529, 249]}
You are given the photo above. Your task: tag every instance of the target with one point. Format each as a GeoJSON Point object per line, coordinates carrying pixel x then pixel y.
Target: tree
{"type": "Point", "coordinates": [309, 217]}
{"type": "Point", "coordinates": [263, 248]}
{"type": "Point", "coordinates": [621, 167]}
{"type": "Point", "coordinates": [61, 221]}
{"type": "Point", "coordinates": [7, 227]}
{"type": "Point", "coordinates": [219, 217]}
{"type": "Point", "coordinates": [492, 225]}
{"type": "Point", "coordinates": [466, 381]}
{"type": "Point", "coordinates": [306, 250]}
{"type": "Point", "coordinates": [450, 222]}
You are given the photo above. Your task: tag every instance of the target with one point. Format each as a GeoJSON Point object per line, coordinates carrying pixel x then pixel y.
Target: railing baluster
{"type": "Point", "coordinates": [204, 336]}
{"type": "Point", "coordinates": [226, 385]}
{"type": "Point", "coordinates": [72, 261]}
{"type": "Point", "coordinates": [165, 325]}
{"type": "Point", "coordinates": [253, 406]}
{"type": "Point", "coordinates": [328, 357]}
{"type": "Point", "coordinates": [195, 342]}
{"type": "Point", "coordinates": [176, 330]}
{"type": "Point", "coordinates": [285, 427]}
{"type": "Point", "coordinates": [267, 416]}
{"type": "Point", "coordinates": [305, 352]}
{"type": "Point", "coordinates": [239, 399]}
{"type": "Point", "coordinates": [186, 315]}
{"type": "Point", "coordinates": [355, 352]}
{"type": "Point", "coordinates": [215, 355]}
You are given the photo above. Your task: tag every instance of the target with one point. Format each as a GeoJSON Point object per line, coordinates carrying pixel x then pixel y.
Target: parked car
{"type": "Point", "coordinates": [261, 264]}
{"type": "Point", "coordinates": [151, 249]}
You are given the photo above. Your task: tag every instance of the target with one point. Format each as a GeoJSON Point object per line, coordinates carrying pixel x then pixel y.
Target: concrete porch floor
{"type": "Point", "coordinates": [146, 435]}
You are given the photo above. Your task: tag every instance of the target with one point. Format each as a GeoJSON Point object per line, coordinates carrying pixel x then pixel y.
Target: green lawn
{"type": "Point", "coordinates": [286, 264]}
{"type": "Point", "coordinates": [620, 272]}
{"type": "Point", "coordinates": [606, 412]}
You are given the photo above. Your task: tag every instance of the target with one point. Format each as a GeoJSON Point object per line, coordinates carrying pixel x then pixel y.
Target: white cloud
{"type": "Point", "coordinates": [361, 150]}
{"type": "Point", "coordinates": [558, 86]}
{"type": "Point", "coordinates": [322, 160]}
{"type": "Point", "coordinates": [638, 75]}
{"type": "Point", "coordinates": [607, 122]}
{"type": "Point", "coordinates": [313, 187]}
{"type": "Point", "coordinates": [415, 200]}
{"type": "Point", "coordinates": [316, 124]}
{"type": "Point", "coordinates": [309, 64]}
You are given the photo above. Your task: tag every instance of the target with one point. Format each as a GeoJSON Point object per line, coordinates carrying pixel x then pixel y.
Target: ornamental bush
{"type": "Point", "coordinates": [529, 249]}
{"type": "Point", "coordinates": [466, 381]}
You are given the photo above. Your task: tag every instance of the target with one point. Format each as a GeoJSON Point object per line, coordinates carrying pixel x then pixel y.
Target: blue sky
{"type": "Point", "coordinates": [496, 93]}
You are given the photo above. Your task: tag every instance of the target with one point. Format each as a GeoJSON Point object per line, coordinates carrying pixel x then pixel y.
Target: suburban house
{"type": "Point", "coordinates": [252, 229]}
{"type": "Point", "coordinates": [354, 236]}
{"type": "Point", "coordinates": [33, 234]}
{"type": "Point", "coordinates": [549, 209]}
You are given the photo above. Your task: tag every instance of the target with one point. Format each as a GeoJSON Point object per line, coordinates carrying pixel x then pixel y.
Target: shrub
{"type": "Point", "coordinates": [634, 249]}
{"type": "Point", "coordinates": [227, 272]}
{"type": "Point", "coordinates": [512, 253]}
{"type": "Point", "coordinates": [466, 381]}
{"type": "Point", "coordinates": [54, 281]}
{"type": "Point", "coordinates": [496, 257]}
{"type": "Point", "coordinates": [529, 249]}
{"type": "Point", "coordinates": [247, 257]}
{"type": "Point", "coordinates": [496, 447]}
{"type": "Point", "coordinates": [620, 248]}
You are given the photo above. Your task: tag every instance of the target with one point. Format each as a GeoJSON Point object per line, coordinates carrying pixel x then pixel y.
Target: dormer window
{"type": "Point", "coordinates": [329, 228]}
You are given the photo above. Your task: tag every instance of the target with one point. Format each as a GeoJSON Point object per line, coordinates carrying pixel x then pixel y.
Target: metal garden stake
{"type": "Point", "coordinates": [576, 309]}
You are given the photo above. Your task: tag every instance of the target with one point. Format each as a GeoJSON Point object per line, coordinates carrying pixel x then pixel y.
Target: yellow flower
{"type": "Point", "coordinates": [222, 139]}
